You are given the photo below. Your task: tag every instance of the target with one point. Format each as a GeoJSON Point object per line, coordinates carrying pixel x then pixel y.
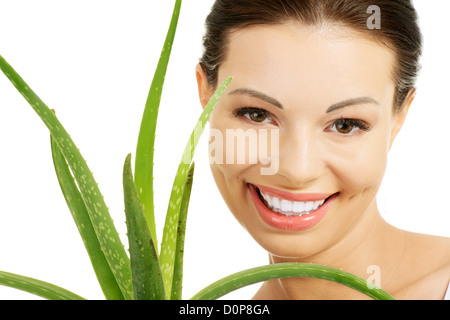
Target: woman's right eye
{"type": "Point", "coordinates": [254, 114]}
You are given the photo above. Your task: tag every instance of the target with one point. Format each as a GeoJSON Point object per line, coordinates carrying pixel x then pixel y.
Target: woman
{"type": "Point", "coordinates": [329, 83]}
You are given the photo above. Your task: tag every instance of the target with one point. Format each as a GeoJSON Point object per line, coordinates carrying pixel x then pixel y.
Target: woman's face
{"type": "Point", "coordinates": [321, 102]}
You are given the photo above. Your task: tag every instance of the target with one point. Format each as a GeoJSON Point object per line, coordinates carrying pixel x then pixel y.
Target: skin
{"type": "Point", "coordinates": [308, 69]}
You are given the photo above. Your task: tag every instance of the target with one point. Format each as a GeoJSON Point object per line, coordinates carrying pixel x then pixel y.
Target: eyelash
{"type": "Point", "coordinates": [243, 112]}
{"type": "Point", "coordinates": [354, 123]}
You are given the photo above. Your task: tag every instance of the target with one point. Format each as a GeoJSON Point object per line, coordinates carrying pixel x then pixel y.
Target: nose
{"type": "Point", "coordinates": [301, 158]}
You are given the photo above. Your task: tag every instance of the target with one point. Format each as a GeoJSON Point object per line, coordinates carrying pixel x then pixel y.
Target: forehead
{"type": "Point", "coordinates": [292, 59]}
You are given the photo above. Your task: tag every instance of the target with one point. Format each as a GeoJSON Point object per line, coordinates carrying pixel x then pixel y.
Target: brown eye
{"type": "Point", "coordinates": [349, 126]}
{"type": "Point", "coordinates": [344, 128]}
{"type": "Point", "coordinates": [254, 114]}
{"type": "Point", "coordinates": [258, 115]}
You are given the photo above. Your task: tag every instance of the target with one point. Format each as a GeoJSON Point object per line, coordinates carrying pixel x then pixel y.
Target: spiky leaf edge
{"type": "Point", "coordinates": [145, 270]}
{"type": "Point", "coordinates": [80, 215]}
{"type": "Point", "coordinates": [105, 230]}
{"type": "Point", "coordinates": [177, 287]}
{"type": "Point", "coordinates": [169, 240]}
{"type": "Point", "coordinates": [143, 176]}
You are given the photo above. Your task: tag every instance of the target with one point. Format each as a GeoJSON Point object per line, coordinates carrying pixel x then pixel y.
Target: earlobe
{"type": "Point", "coordinates": [202, 83]}
{"type": "Point", "coordinates": [400, 116]}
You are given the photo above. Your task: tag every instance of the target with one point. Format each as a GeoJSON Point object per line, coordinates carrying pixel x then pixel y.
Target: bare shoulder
{"type": "Point", "coordinates": [436, 248]}
{"type": "Point", "coordinates": [428, 267]}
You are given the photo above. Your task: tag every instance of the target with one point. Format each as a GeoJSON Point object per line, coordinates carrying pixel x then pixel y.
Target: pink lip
{"type": "Point", "coordinates": [297, 223]}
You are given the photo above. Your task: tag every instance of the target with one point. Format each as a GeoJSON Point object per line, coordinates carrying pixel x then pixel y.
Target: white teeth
{"type": "Point", "coordinates": [309, 205]}
{"type": "Point", "coordinates": [298, 206]}
{"type": "Point", "coordinates": [276, 203]}
{"type": "Point", "coordinates": [291, 208]}
{"type": "Point", "coordinates": [286, 205]}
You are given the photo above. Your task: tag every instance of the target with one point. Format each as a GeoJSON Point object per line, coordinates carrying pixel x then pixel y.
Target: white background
{"type": "Point", "coordinates": [93, 62]}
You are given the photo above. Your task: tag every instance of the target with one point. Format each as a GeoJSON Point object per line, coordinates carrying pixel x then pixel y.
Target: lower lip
{"type": "Point", "coordinates": [293, 223]}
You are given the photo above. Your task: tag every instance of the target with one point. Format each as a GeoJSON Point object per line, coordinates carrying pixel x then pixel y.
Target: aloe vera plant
{"type": "Point", "coordinates": [147, 271]}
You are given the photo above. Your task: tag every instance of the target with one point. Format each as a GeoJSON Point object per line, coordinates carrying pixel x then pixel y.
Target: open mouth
{"type": "Point", "coordinates": [290, 211]}
{"type": "Point", "coordinates": [289, 207]}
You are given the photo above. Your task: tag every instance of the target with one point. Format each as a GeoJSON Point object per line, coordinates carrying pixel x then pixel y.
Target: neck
{"type": "Point", "coordinates": [367, 251]}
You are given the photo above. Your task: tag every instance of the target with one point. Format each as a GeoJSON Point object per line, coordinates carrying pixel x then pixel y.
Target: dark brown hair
{"type": "Point", "coordinates": [399, 29]}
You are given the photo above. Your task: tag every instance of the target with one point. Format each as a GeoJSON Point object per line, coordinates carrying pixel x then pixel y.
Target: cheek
{"type": "Point", "coordinates": [222, 158]}
{"type": "Point", "coordinates": [361, 167]}
{"type": "Point", "coordinates": [232, 188]}
{"type": "Point", "coordinates": [362, 170]}
{"type": "Point", "coordinates": [237, 156]}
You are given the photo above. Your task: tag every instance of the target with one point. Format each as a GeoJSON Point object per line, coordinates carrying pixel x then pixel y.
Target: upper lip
{"type": "Point", "coordinates": [293, 196]}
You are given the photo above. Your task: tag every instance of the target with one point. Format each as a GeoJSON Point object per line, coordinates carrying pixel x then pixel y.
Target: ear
{"type": "Point", "coordinates": [203, 88]}
{"type": "Point", "coordinates": [400, 116]}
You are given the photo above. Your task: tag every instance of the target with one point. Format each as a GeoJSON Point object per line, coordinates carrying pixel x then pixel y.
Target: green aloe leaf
{"type": "Point", "coordinates": [288, 270]}
{"type": "Point", "coordinates": [146, 140]}
{"type": "Point", "coordinates": [107, 235]}
{"type": "Point", "coordinates": [169, 240]}
{"type": "Point", "coordinates": [177, 286]}
{"type": "Point", "coordinates": [146, 273]}
{"type": "Point", "coordinates": [80, 215]}
{"type": "Point", "coordinates": [37, 287]}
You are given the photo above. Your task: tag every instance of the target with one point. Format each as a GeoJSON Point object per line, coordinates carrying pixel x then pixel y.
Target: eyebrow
{"type": "Point", "coordinates": [276, 103]}
{"type": "Point", "coordinates": [352, 102]}
{"type": "Point", "coordinates": [257, 94]}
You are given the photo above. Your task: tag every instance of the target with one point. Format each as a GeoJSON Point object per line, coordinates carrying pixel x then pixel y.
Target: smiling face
{"type": "Point", "coordinates": [328, 94]}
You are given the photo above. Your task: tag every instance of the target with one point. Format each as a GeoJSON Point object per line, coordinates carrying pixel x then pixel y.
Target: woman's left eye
{"type": "Point", "coordinates": [254, 114]}
{"type": "Point", "coordinates": [348, 126]}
